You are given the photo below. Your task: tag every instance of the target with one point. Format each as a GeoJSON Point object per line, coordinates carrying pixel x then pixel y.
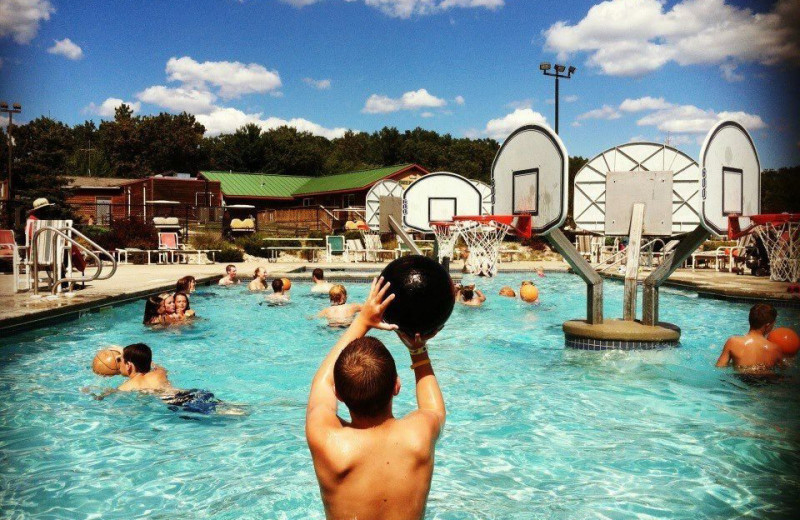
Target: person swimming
{"type": "Point", "coordinates": [259, 280]}
{"type": "Point", "coordinates": [182, 308]}
{"type": "Point", "coordinates": [319, 286]}
{"type": "Point", "coordinates": [230, 276]}
{"type": "Point", "coordinates": [470, 296]}
{"type": "Point", "coordinates": [753, 352]}
{"type": "Point", "coordinates": [340, 313]}
{"type": "Point", "coordinates": [187, 285]}
{"type": "Point", "coordinates": [279, 296]}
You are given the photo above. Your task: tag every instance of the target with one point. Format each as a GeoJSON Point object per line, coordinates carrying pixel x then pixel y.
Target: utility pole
{"type": "Point", "coordinates": [559, 69]}
{"type": "Point", "coordinates": [16, 108]}
{"type": "Point", "coordinates": [89, 157]}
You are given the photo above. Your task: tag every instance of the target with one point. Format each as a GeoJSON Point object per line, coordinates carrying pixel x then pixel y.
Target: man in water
{"type": "Point", "coordinates": [374, 466]}
{"type": "Point", "coordinates": [470, 296]}
{"type": "Point", "coordinates": [279, 296]}
{"type": "Point", "coordinates": [320, 286]}
{"type": "Point", "coordinates": [753, 351]}
{"type": "Point", "coordinates": [259, 282]}
{"type": "Point", "coordinates": [339, 313]}
{"type": "Point", "coordinates": [230, 276]}
{"type": "Point", "coordinates": [137, 366]}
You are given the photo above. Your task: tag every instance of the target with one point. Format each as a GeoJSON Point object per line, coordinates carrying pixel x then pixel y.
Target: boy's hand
{"type": "Point", "coordinates": [417, 342]}
{"type": "Point", "coordinates": [371, 315]}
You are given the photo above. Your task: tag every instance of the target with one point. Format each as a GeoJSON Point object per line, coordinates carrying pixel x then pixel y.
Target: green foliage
{"type": "Point", "coordinates": [712, 245]}
{"type": "Point", "coordinates": [780, 190]}
{"type": "Point", "coordinates": [207, 241]}
{"type": "Point", "coordinates": [230, 254]}
{"type": "Point", "coordinates": [126, 232]}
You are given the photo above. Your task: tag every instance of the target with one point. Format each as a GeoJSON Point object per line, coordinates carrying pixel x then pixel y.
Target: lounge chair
{"type": "Point", "coordinates": [52, 253]}
{"type": "Point", "coordinates": [374, 248]}
{"type": "Point", "coordinates": [356, 251]}
{"type": "Point", "coordinates": [335, 247]}
{"type": "Point", "coordinates": [168, 248]}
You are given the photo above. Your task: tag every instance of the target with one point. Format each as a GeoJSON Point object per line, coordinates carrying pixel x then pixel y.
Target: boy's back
{"type": "Point", "coordinates": [753, 351]}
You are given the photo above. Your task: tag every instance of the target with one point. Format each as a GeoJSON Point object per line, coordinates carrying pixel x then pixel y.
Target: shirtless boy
{"type": "Point", "coordinates": [278, 296]}
{"type": "Point", "coordinates": [137, 366]}
{"type": "Point", "coordinates": [375, 466]}
{"type": "Point", "coordinates": [470, 296]}
{"type": "Point", "coordinates": [320, 286]}
{"type": "Point", "coordinates": [340, 313]}
{"type": "Point", "coordinates": [230, 276]}
{"type": "Point", "coordinates": [259, 282]}
{"type": "Point", "coordinates": [753, 352]}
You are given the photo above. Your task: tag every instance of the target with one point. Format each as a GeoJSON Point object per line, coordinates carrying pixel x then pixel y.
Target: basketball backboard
{"type": "Point", "coordinates": [529, 175]}
{"type": "Point", "coordinates": [591, 198]}
{"type": "Point", "coordinates": [385, 188]}
{"type": "Point", "coordinates": [486, 196]}
{"type": "Point", "coordinates": [731, 176]}
{"type": "Point", "coordinates": [439, 196]}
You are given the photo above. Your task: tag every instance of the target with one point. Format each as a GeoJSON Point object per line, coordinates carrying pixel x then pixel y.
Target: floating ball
{"type": "Point", "coordinates": [528, 292]}
{"type": "Point", "coordinates": [786, 339]}
{"type": "Point", "coordinates": [423, 295]}
{"type": "Point", "coordinates": [287, 284]}
{"type": "Point", "coordinates": [107, 361]}
{"type": "Point", "coordinates": [508, 291]}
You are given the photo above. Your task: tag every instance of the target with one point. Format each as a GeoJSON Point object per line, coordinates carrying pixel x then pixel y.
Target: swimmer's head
{"type": "Point", "coordinates": [467, 293]}
{"type": "Point", "coordinates": [168, 304]}
{"type": "Point", "coordinates": [762, 316]}
{"type": "Point", "coordinates": [186, 284]}
{"type": "Point", "coordinates": [277, 285]}
{"type": "Point", "coordinates": [365, 377]}
{"type": "Point", "coordinates": [317, 274]}
{"type": "Point", "coordinates": [181, 301]}
{"type": "Point", "coordinates": [230, 270]}
{"type": "Point", "coordinates": [261, 273]}
{"type": "Point", "coordinates": [338, 294]}
{"type": "Point", "coordinates": [508, 291]}
{"type": "Point", "coordinates": [136, 359]}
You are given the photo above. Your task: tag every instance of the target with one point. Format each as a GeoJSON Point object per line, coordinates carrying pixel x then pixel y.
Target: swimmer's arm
{"type": "Point", "coordinates": [429, 396]}
{"type": "Point", "coordinates": [480, 295]}
{"type": "Point", "coordinates": [725, 357]}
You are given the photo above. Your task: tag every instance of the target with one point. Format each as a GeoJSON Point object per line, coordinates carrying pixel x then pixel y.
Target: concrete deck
{"type": "Point", "coordinates": [131, 282]}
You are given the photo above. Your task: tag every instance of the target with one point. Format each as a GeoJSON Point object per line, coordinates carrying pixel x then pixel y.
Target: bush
{"type": "Point", "coordinates": [711, 245]}
{"type": "Point", "coordinates": [208, 241]}
{"type": "Point", "coordinates": [536, 243]}
{"type": "Point", "coordinates": [125, 232]}
{"type": "Point", "coordinates": [230, 254]}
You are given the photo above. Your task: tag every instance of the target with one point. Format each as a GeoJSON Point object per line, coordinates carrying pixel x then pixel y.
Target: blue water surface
{"type": "Point", "coordinates": [533, 430]}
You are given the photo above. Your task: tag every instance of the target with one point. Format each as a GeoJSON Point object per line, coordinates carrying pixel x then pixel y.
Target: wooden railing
{"type": "Point", "coordinates": [315, 218]}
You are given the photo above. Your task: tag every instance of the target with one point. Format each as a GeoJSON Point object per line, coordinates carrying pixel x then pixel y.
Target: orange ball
{"type": "Point", "coordinates": [287, 284]}
{"type": "Point", "coordinates": [508, 291]}
{"type": "Point", "coordinates": [107, 361]}
{"type": "Point", "coordinates": [528, 292]}
{"type": "Point", "coordinates": [786, 339]}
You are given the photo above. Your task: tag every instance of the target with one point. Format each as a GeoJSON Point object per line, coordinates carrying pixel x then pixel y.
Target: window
{"type": "Point", "coordinates": [348, 200]}
{"type": "Point", "coordinates": [103, 211]}
{"type": "Point", "coordinates": [307, 201]}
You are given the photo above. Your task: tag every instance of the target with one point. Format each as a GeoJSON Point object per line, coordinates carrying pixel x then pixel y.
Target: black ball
{"type": "Point", "coordinates": [424, 296]}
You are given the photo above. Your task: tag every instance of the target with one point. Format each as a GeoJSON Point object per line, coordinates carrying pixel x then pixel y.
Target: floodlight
{"type": "Point", "coordinates": [560, 68]}
{"type": "Point", "coordinates": [544, 66]}
{"type": "Point", "coordinates": [571, 70]}
{"type": "Point", "coordinates": [4, 105]}
{"type": "Point", "coordinates": [17, 106]}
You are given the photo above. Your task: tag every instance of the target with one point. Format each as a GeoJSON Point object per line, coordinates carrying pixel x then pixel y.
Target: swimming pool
{"type": "Point", "coordinates": [533, 430]}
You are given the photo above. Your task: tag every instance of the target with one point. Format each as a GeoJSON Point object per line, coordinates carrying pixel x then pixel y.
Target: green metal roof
{"type": "Point", "coordinates": [257, 184]}
{"type": "Point", "coordinates": [347, 181]}
{"type": "Point", "coordinates": [290, 186]}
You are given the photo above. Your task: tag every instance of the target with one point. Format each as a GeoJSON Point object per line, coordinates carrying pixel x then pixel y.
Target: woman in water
{"type": "Point", "coordinates": [182, 309]}
{"type": "Point", "coordinates": [186, 285]}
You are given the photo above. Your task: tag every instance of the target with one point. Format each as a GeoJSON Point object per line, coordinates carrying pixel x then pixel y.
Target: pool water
{"type": "Point", "coordinates": [533, 430]}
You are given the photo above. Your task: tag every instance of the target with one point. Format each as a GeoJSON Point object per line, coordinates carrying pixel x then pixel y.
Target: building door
{"type": "Point", "coordinates": [103, 211]}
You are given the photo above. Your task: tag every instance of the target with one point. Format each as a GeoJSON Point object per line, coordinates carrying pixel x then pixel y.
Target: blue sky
{"type": "Point", "coordinates": [647, 70]}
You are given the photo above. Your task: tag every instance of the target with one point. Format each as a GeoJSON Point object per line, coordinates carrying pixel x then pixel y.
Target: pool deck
{"type": "Point", "coordinates": [22, 311]}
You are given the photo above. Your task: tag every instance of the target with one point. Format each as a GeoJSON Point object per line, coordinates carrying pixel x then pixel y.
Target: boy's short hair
{"type": "Point", "coordinates": [229, 268]}
{"type": "Point", "coordinates": [318, 274]}
{"type": "Point", "coordinates": [364, 376]}
{"type": "Point", "coordinates": [277, 285]}
{"type": "Point", "coordinates": [140, 355]}
{"type": "Point", "coordinates": [338, 293]}
{"type": "Point", "coordinates": [762, 314]}
{"type": "Point", "coordinates": [467, 294]}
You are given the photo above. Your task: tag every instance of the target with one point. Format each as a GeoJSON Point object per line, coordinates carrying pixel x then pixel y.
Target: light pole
{"type": "Point", "coordinates": [16, 108]}
{"type": "Point", "coordinates": [545, 68]}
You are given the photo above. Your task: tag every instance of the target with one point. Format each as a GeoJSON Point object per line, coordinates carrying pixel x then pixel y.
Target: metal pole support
{"type": "Point", "coordinates": [632, 267]}
{"type": "Point", "coordinates": [685, 248]}
{"type": "Point", "coordinates": [594, 283]}
{"type": "Point", "coordinates": [402, 235]}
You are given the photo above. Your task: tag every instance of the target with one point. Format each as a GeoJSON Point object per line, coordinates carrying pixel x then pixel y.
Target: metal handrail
{"type": "Point", "coordinates": [56, 233]}
{"type": "Point", "coordinates": [647, 248]}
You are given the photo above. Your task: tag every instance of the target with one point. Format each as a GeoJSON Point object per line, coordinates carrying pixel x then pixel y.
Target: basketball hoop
{"type": "Point", "coordinates": [780, 234]}
{"type": "Point", "coordinates": [484, 235]}
{"type": "Point", "coordinates": [446, 235]}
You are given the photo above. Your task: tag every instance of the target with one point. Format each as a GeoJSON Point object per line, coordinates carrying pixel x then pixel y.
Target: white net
{"type": "Point", "coordinates": [483, 240]}
{"type": "Point", "coordinates": [446, 236]}
{"type": "Point", "coordinates": [782, 241]}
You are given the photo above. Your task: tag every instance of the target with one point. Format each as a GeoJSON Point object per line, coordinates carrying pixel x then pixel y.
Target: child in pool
{"type": "Point", "coordinates": [753, 351]}
{"type": "Point", "coordinates": [340, 313]}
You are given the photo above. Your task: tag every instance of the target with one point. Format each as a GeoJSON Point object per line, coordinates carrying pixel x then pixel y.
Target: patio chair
{"type": "Point", "coordinates": [335, 247]}
{"type": "Point", "coordinates": [52, 256]}
{"type": "Point", "coordinates": [9, 251]}
{"type": "Point", "coordinates": [168, 247]}
{"type": "Point", "coordinates": [374, 248]}
{"type": "Point", "coordinates": [356, 251]}
{"type": "Point", "coordinates": [583, 243]}
{"type": "Point", "coordinates": [722, 255]}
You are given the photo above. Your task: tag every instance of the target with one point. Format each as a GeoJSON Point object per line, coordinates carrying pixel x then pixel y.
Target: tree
{"type": "Point", "coordinates": [780, 190]}
{"type": "Point", "coordinates": [290, 152]}
{"type": "Point", "coordinates": [122, 144]}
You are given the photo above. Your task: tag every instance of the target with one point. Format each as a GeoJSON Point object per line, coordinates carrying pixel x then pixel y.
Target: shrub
{"type": "Point", "coordinates": [208, 241]}
{"type": "Point", "coordinates": [230, 254]}
{"type": "Point", "coordinates": [125, 232]}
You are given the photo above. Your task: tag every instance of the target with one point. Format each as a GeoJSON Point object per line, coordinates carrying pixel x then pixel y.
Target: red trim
{"type": "Point", "coordinates": [521, 224]}
{"type": "Point", "coordinates": [734, 231]}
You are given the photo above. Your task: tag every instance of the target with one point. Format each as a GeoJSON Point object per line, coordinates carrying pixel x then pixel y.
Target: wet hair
{"type": "Point", "coordinates": [184, 284]}
{"type": "Point", "coordinates": [140, 355]}
{"type": "Point", "coordinates": [185, 295]}
{"type": "Point", "coordinates": [338, 293]}
{"type": "Point", "coordinates": [318, 273]}
{"type": "Point", "coordinates": [467, 294]}
{"type": "Point", "coordinates": [255, 273]}
{"type": "Point", "coordinates": [364, 375]}
{"type": "Point", "coordinates": [151, 307]}
{"type": "Point", "coordinates": [277, 285]}
{"type": "Point", "coordinates": [761, 314]}
{"type": "Point", "coordinates": [229, 268]}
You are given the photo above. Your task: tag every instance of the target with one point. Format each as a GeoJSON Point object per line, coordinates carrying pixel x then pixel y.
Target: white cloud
{"type": "Point", "coordinates": [300, 3]}
{"type": "Point", "coordinates": [319, 84]}
{"type": "Point", "coordinates": [412, 100]}
{"type": "Point", "coordinates": [571, 99]}
{"type": "Point", "coordinates": [644, 103]}
{"type": "Point", "coordinates": [500, 128]}
{"type": "Point", "coordinates": [408, 8]}
{"type": "Point", "coordinates": [231, 77]}
{"type": "Point", "coordinates": [604, 112]}
{"type": "Point", "coordinates": [195, 101]}
{"type": "Point", "coordinates": [228, 120]}
{"type": "Point", "coordinates": [107, 107]}
{"type": "Point", "coordinates": [427, 114]}
{"type": "Point", "coordinates": [20, 18]}
{"type": "Point", "coordinates": [729, 72]}
{"type": "Point", "coordinates": [459, 100]}
{"type": "Point", "coordinates": [634, 37]}
{"type": "Point", "coordinates": [66, 48]}
{"type": "Point", "coordinates": [691, 119]}
{"type": "Point", "coordinates": [522, 103]}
